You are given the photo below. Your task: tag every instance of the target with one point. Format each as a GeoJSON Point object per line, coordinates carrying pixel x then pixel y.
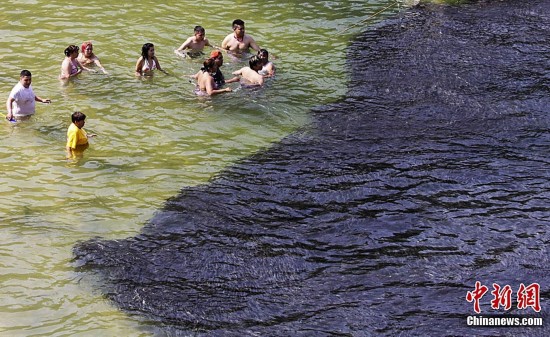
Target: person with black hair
{"type": "Point", "coordinates": [21, 100]}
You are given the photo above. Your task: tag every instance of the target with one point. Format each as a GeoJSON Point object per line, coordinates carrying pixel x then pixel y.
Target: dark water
{"type": "Point", "coordinates": [431, 175]}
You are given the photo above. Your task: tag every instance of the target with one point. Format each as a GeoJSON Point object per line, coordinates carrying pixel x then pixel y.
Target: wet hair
{"type": "Point", "coordinates": [85, 45]}
{"type": "Point", "coordinates": [25, 73]}
{"type": "Point", "coordinates": [70, 49]}
{"type": "Point", "coordinates": [77, 116]}
{"type": "Point", "coordinates": [199, 29]}
{"type": "Point", "coordinates": [145, 49]}
{"type": "Point", "coordinates": [238, 22]}
{"type": "Point", "coordinates": [262, 52]}
{"type": "Point", "coordinates": [254, 61]}
{"type": "Point", "coordinates": [208, 64]}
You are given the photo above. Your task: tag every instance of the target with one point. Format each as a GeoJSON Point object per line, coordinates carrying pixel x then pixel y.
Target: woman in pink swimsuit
{"type": "Point", "coordinates": [70, 66]}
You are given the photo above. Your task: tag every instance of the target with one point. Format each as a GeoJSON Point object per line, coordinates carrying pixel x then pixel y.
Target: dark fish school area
{"type": "Point", "coordinates": [380, 217]}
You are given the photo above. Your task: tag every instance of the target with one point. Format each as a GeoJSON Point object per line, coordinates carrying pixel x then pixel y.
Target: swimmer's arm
{"type": "Point", "coordinates": [208, 43]}
{"type": "Point", "coordinates": [158, 65]}
{"type": "Point", "coordinates": [84, 68]}
{"type": "Point", "coordinates": [234, 79]}
{"type": "Point", "coordinates": [186, 44]}
{"type": "Point", "coordinates": [211, 91]}
{"type": "Point", "coordinates": [98, 64]}
{"type": "Point", "coordinates": [42, 100]}
{"type": "Point", "coordinates": [225, 42]}
{"type": "Point", "coordinates": [238, 72]}
{"type": "Point", "coordinates": [139, 66]}
{"type": "Point", "coordinates": [69, 151]}
{"type": "Point", "coordinates": [9, 102]}
{"type": "Point", "coordinates": [254, 45]}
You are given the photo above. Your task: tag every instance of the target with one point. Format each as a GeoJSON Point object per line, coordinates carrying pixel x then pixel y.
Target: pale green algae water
{"type": "Point", "coordinates": [154, 136]}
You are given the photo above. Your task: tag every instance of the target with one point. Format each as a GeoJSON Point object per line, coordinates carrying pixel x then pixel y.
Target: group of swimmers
{"type": "Point", "coordinates": [20, 104]}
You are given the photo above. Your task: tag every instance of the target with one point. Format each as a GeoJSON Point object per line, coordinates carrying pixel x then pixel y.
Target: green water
{"type": "Point", "coordinates": [154, 136]}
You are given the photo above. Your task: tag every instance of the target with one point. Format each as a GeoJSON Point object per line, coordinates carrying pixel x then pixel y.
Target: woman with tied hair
{"type": "Point", "coordinates": [70, 66]}
{"type": "Point", "coordinates": [87, 56]}
{"type": "Point", "coordinates": [147, 62]}
{"type": "Point", "coordinates": [206, 85]}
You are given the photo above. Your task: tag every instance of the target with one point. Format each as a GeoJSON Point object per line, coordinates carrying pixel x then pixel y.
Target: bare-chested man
{"type": "Point", "coordinates": [238, 41]}
{"type": "Point", "coordinates": [195, 44]}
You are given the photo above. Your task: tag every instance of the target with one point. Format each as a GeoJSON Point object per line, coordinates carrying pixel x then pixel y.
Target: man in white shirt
{"type": "Point", "coordinates": [20, 103]}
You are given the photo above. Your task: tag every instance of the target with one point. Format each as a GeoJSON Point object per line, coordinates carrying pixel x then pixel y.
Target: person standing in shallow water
{"type": "Point", "coordinates": [194, 44]}
{"type": "Point", "coordinates": [206, 86]}
{"type": "Point", "coordinates": [71, 67]}
{"type": "Point", "coordinates": [147, 62]}
{"type": "Point", "coordinates": [268, 68]}
{"type": "Point", "coordinates": [21, 100]}
{"type": "Point", "coordinates": [239, 41]}
{"type": "Point", "coordinates": [77, 138]}
{"type": "Point", "coordinates": [249, 75]}
{"type": "Point", "coordinates": [219, 79]}
{"type": "Point", "coordinates": [88, 57]}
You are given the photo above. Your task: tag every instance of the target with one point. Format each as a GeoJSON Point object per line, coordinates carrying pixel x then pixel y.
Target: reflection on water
{"type": "Point", "coordinates": [430, 175]}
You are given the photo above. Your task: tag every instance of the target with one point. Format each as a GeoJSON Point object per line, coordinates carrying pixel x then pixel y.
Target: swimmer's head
{"type": "Point", "coordinates": [209, 65]}
{"type": "Point", "coordinates": [199, 32]}
{"type": "Point", "coordinates": [217, 56]}
{"type": "Point", "coordinates": [86, 45]}
{"type": "Point", "coordinates": [77, 116]}
{"type": "Point", "coordinates": [145, 49]}
{"type": "Point", "coordinates": [70, 50]}
{"type": "Point", "coordinates": [263, 54]}
{"type": "Point", "coordinates": [255, 62]}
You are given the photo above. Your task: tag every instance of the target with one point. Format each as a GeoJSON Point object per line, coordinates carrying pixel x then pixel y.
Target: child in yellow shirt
{"type": "Point", "coordinates": [77, 138]}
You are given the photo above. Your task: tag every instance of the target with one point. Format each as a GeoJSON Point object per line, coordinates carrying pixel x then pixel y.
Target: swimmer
{"type": "Point", "coordinates": [87, 56]}
{"type": "Point", "coordinates": [249, 75]}
{"type": "Point", "coordinates": [268, 69]}
{"type": "Point", "coordinates": [21, 100]}
{"type": "Point", "coordinates": [77, 138]}
{"type": "Point", "coordinates": [147, 62]}
{"type": "Point", "coordinates": [219, 79]}
{"type": "Point", "coordinates": [71, 67]}
{"type": "Point", "coordinates": [238, 41]}
{"type": "Point", "coordinates": [195, 44]}
{"type": "Point", "coordinates": [206, 84]}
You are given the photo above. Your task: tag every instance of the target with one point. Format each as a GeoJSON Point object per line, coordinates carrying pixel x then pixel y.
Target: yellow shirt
{"type": "Point", "coordinates": [76, 136]}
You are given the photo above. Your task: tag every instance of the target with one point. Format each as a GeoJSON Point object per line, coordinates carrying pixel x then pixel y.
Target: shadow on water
{"type": "Point", "coordinates": [377, 219]}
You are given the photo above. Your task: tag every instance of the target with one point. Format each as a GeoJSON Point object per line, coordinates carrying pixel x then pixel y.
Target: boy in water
{"type": "Point", "coordinates": [195, 43]}
{"type": "Point", "coordinates": [77, 138]}
{"type": "Point", "coordinates": [249, 75]}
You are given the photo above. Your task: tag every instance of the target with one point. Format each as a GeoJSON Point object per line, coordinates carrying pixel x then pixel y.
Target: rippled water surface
{"type": "Point", "coordinates": [154, 136]}
{"type": "Point", "coordinates": [378, 216]}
